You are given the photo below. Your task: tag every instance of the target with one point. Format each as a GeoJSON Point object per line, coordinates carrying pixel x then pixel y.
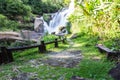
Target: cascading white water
{"type": "Point", "coordinates": [59, 18]}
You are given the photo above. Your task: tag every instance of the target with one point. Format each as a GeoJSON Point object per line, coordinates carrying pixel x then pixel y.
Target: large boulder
{"type": "Point", "coordinates": [38, 25]}
{"type": "Point", "coordinates": [27, 34]}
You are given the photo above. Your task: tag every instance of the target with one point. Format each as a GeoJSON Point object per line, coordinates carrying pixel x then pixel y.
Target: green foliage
{"type": "Point", "coordinates": [116, 45]}
{"type": "Point", "coordinates": [6, 24]}
{"type": "Point", "coordinates": [44, 6]}
{"type": "Point", "coordinates": [95, 70]}
{"type": "Point", "coordinates": [13, 11]}
{"type": "Point", "coordinates": [66, 2]}
{"type": "Point", "coordinates": [49, 7]}
{"type": "Point", "coordinates": [21, 11]}
{"type": "Point", "coordinates": [98, 19]}
{"type": "Point", "coordinates": [14, 8]}
{"type": "Point", "coordinates": [47, 17]}
{"type": "Point", "coordinates": [30, 61]}
{"type": "Point", "coordinates": [49, 37]}
{"type": "Point", "coordinates": [69, 27]}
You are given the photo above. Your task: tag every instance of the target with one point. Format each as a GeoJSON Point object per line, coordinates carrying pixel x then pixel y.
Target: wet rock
{"type": "Point", "coordinates": [38, 25]}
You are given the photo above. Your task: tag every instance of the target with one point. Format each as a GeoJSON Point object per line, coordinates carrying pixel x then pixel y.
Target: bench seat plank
{"type": "Point", "coordinates": [104, 48]}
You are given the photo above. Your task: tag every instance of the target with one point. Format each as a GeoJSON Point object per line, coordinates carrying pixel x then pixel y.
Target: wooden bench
{"type": "Point", "coordinates": [111, 55]}
{"type": "Point", "coordinates": [103, 49]}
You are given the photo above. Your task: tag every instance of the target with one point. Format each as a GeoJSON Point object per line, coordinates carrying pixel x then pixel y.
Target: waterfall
{"type": "Point", "coordinates": [58, 19]}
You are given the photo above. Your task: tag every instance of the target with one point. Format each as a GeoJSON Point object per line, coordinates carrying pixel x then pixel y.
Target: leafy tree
{"type": "Point", "coordinates": [7, 24]}
{"type": "Point", "coordinates": [101, 16]}
{"type": "Point", "coordinates": [44, 6]}
{"type": "Point", "coordinates": [14, 9]}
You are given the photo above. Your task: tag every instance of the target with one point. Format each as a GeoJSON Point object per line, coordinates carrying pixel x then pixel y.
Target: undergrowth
{"type": "Point", "coordinates": [93, 66]}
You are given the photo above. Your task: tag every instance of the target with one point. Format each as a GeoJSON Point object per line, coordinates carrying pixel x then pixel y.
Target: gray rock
{"type": "Point", "coordinates": [77, 78]}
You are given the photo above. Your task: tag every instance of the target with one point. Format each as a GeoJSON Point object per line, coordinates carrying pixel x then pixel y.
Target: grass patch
{"type": "Point", "coordinates": [93, 66]}
{"type": "Point", "coordinates": [95, 70]}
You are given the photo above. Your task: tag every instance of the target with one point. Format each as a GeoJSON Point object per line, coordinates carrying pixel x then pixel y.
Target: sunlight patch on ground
{"type": "Point", "coordinates": [62, 56]}
{"type": "Point", "coordinates": [78, 45]}
{"type": "Point", "coordinates": [96, 58]}
{"type": "Point", "coordinates": [66, 54]}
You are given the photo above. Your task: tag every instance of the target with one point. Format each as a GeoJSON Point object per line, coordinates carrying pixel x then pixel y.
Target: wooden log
{"type": "Point", "coordinates": [56, 43]}
{"type": "Point", "coordinates": [42, 47]}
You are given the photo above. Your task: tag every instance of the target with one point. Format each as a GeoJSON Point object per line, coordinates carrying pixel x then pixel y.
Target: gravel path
{"type": "Point", "coordinates": [68, 58]}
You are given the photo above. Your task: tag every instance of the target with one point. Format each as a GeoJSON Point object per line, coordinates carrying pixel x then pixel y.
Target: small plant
{"type": "Point", "coordinates": [6, 24]}
{"type": "Point", "coordinates": [49, 37]}
{"type": "Point", "coordinates": [116, 45]}
{"type": "Point", "coordinates": [47, 17]}
{"type": "Point", "coordinates": [69, 27]}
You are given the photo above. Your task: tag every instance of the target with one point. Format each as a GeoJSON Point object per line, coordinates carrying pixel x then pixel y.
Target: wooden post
{"type": "Point", "coordinates": [6, 55]}
{"type": "Point", "coordinates": [42, 47]}
{"type": "Point", "coordinates": [63, 40]}
{"type": "Point", "coordinates": [0, 58]}
{"type": "Point", "coordinates": [10, 56]}
{"type": "Point", "coordinates": [56, 43]}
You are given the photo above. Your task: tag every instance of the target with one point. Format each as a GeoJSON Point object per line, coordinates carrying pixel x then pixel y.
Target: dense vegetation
{"type": "Point", "coordinates": [98, 19]}
{"type": "Point", "coordinates": [13, 13]}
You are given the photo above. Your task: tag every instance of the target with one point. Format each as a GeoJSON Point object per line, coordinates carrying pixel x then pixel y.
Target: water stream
{"type": "Point", "coordinates": [58, 19]}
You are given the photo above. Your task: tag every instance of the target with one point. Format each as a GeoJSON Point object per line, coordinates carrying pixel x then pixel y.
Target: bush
{"type": "Point", "coordinates": [6, 24]}
{"type": "Point", "coordinates": [95, 18]}
{"type": "Point", "coordinates": [116, 45]}
{"type": "Point", "coordinates": [49, 37]}
{"type": "Point", "coordinates": [14, 8]}
{"type": "Point", "coordinates": [44, 6]}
